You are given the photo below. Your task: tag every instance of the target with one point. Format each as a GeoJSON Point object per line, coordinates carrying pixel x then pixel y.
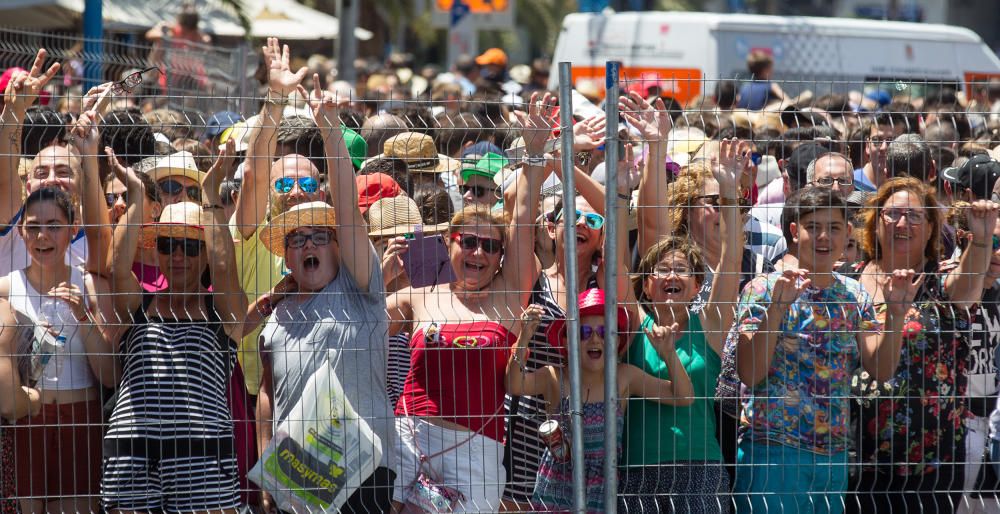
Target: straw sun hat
{"type": "Point", "coordinates": [179, 220]}
{"type": "Point", "coordinates": [397, 216]}
{"type": "Point", "coordinates": [309, 214]}
{"type": "Point", "coordinates": [179, 164]}
{"type": "Point", "coordinates": [419, 152]}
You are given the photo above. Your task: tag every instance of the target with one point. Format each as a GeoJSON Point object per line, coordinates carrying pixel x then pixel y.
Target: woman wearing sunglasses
{"type": "Point", "coordinates": [911, 431]}
{"type": "Point", "coordinates": [52, 387]}
{"type": "Point", "coordinates": [169, 446]}
{"type": "Point", "coordinates": [673, 461]}
{"type": "Point", "coordinates": [452, 400]}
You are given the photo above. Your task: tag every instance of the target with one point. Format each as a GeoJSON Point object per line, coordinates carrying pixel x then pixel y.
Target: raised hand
{"type": "Point", "coordinates": [663, 338]}
{"type": "Point", "coordinates": [212, 180]}
{"type": "Point", "coordinates": [734, 157]}
{"type": "Point", "coordinates": [628, 173]}
{"type": "Point", "coordinates": [651, 120]}
{"type": "Point", "coordinates": [24, 87]}
{"type": "Point", "coordinates": [392, 259]}
{"type": "Point", "coordinates": [280, 77]}
{"type": "Point", "coordinates": [789, 286]}
{"type": "Point", "coordinates": [124, 174]}
{"type": "Point", "coordinates": [531, 318]}
{"type": "Point", "coordinates": [325, 105]}
{"type": "Point", "coordinates": [86, 138]}
{"type": "Point", "coordinates": [589, 133]}
{"type": "Point", "coordinates": [96, 93]}
{"type": "Point", "coordinates": [901, 290]}
{"type": "Point", "coordinates": [537, 123]}
{"type": "Point", "coordinates": [982, 220]}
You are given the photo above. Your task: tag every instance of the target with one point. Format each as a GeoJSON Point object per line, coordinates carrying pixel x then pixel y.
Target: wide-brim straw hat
{"type": "Point", "coordinates": [397, 216]}
{"type": "Point", "coordinates": [179, 164]}
{"type": "Point", "coordinates": [179, 220]}
{"type": "Point", "coordinates": [309, 214]}
{"type": "Point", "coordinates": [419, 153]}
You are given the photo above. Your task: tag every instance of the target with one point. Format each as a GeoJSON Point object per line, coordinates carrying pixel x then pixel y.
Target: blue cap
{"type": "Point", "coordinates": [480, 149]}
{"type": "Point", "coordinates": [221, 121]}
{"type": "Point", "coordinates": [879, 96]}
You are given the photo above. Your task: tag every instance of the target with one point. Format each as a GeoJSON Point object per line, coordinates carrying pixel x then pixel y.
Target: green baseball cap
{"type": "Point", "coordinates": [356, 146]}
{"type": "Point", "coordinates": [487, 166]}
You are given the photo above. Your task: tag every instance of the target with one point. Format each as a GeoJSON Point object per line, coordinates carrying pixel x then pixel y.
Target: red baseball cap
{"type": "Point", "coordinates": [374, 187]}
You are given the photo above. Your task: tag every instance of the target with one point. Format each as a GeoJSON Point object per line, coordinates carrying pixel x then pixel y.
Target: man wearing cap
{"type": "Point", "coordinates": [374, 187]}
{"type": "Point", "coordinates": [492, 66]}
{"type": "Point", "coordinates": [973, 180]}
{"type": "Point", "coordinates": [339, 287]}
{"type": "Point", "coordinates": [218, 123]}
{"type": "Point", "coordinates": [73, 169]}
{"type": "Point", "coordinates": [478, 187]}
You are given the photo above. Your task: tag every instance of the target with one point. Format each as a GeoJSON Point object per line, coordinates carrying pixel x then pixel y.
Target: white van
{"type": "Point", "coordinates": [691, 50]}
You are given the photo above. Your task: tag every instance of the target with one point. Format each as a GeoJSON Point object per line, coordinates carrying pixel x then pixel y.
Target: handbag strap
{"type": "Point", "coordinates": [426, 458]}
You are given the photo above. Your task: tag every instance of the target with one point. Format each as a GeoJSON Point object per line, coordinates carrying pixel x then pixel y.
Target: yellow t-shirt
{"type": "Point", "coordinates": [259, 270]}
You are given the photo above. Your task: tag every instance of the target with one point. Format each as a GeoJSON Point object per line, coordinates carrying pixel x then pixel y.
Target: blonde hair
{"type": "Point", "coordinates": [478, 216]}
{"type": "Point", "coordinates": [682, 192]}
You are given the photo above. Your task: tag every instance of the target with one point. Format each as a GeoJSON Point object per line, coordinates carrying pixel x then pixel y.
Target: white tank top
{"type": "Point", "coordinates": [69, 370]}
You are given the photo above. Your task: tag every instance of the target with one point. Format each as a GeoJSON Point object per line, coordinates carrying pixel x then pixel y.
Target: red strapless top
{"type": "Point", "coordinates": [457, 374]}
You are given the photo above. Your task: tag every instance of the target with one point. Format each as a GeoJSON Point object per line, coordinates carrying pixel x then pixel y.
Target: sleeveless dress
{"type": "Point", "coordinates": [524, 413]}
{"type": "Point", "coordinates": [554, 481]}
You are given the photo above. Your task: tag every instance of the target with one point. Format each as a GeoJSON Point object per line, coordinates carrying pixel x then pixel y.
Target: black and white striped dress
{"type": "Point", "coordinates": [172, 407]}
{"type": "Point", "coordinates": [523, 452]}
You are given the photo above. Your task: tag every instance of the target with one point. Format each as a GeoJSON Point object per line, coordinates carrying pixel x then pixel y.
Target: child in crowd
{"type": "Point", "coordinates": [553, 486]}
{"type": "Point", "coordinates": [802, 333]}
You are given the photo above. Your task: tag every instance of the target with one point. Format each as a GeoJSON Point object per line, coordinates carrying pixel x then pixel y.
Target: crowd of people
{"type": "Point", "coordinates": [808, 298]}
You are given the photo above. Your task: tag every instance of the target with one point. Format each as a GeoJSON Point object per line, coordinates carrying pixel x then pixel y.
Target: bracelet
{"type": "Point", "coordinates": [85, 318]}
{"type": "Point", "coordinates": [275, 98]}
{"type": "Point", "coordinates": [517, 360]}
{"type": "Point", "coordinates": [626, 197]}
{"type": "Point", "coordinates": [534, 160]}
{"type": "Point", "coordinates": [264, 305]}
{"type": "Point", "coordinates": [978, 245]}
{"type": "Point", "coordinates": [207, 207]}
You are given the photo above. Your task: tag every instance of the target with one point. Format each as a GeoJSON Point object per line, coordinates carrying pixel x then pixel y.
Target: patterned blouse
{"type": "Point", "coordinates": [914, 420]}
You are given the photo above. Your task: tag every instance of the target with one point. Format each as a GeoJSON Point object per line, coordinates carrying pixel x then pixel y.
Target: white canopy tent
{"type": "Point", "coordinates": [285, 19]}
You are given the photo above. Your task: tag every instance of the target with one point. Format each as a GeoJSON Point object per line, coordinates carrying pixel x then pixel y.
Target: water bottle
{"type": "Point", "coordinates": [56, 315]}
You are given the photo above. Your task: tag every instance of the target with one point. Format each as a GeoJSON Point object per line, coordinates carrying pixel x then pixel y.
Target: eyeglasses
{"type": "Point", "coordinates": [470, 242]}
{"type": "Point", "coordinates": [306, 184]}
{"type": "Point", "coordinates": [879, 141]}
{"type": "Point", "coordinates": [172, 187]}
{"type": "Point", "coordinates": [299, 240]}
{"type": "Point", "coordinates": [131, 81]}
{"type": "Point", "coordinates": [586, 331]}
{"type": "Point", "coordinates": [828, 181]}
{"type": "Point", "coordinates": [477, 191]}
{"type": "Point", "coordinates": [913, 217]}
{"type": "Point", "coordinates": [168, 245]}
{"type": "Point", "coordinates": [713, 202]}
{"type": "Point", "coordinates": [112, 198]}
{"type": "Point", "coordinates": [680, 271]}
{"type": "Point", "coordinates": [592, 220]}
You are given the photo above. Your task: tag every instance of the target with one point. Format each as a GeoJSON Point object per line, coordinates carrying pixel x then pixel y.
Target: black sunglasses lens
{"type": "Point", "coordinates": [194, 193]}
{"type": "Point", "coordinates": [468, 242]}
{"type": "Point", "coordinates": [171, 187]}
{"type": "Point", "coordinates": [192, 247]}
{"type": "Point", "coordinates": [491, 246]}
{"type": "Point", "coordinates": [164, 245]}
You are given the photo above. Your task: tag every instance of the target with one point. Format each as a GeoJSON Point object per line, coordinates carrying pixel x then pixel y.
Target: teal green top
{"type": "Point", "coordinates": [656, 433]}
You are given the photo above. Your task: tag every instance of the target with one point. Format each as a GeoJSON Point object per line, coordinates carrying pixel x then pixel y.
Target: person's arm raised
{"type": "Point", "coordinates": [654, 124]}
{"type": "Point", "coordinates": [231, 301]}
{"type": "Point", "coordinates": [678, 390]}
{"type": "Point", "coordinates": [717, 316]}
{"type": "Point", "coordinates": [756, 347]}
{"type": "Point", "coordinates": [352, 229]}
{"type": "Point", "coordinates": [22, 91]}
{"type": "Point", "coordinates": [96, 222]}
{"type": "Point", "coordinates": [880, 351]}
{"type": "Point", "coordinates": [125, 286]}
{"type": "Point", "coordinates": [964, 285]}
{"type": "Point", "coordinates": [251, 205]}
{"type": "Point", "coordinates": [518, 381]}
{"type": "Point", "coordinates": [520, 267]}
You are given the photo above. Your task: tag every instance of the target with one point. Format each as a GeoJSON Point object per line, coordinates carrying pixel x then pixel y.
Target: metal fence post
{"type": "Point", "coordinates": [572, 306]}
{"type": "Point", "coordinates": [611, 236]}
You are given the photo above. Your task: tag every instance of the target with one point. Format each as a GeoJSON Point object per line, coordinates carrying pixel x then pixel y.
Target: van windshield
{"type": "Point", "coordinates": [914, 88]}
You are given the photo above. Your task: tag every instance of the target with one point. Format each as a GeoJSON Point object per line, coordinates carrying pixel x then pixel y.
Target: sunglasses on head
{"type": "Point", "coordinates": [586, 331]}
{"type": "Point", "coordinates": [169, 245]}
{"type": "Point", "coordinates": [112, 198]}
{"type": "Point", "coordinates": [172, 187]}
{"type": "Point", "coordinates": [471, 241]}
{"type": "Point", "coordinates": [306, 184]}
{"type": "Point", "coordinates": [299, 239]}
{"type": "Point", "coordinates": [477, 191]}
{"type": "Point", "coordinates": [592, 220]}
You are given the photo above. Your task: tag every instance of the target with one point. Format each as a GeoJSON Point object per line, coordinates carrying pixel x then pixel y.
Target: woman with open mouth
{"type": "Point", "coordinates": [54, 392]}
{"type": "Point", "coordinates": [672, 459]}
{"type": "Point", "coordinates": [169, 446]}
{"type": "Point", "coordinates": [911, 432]}
{"type": "Point", "coordinates": [452, 402]}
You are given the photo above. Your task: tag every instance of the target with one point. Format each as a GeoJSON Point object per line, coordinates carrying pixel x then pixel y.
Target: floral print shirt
{"type": "Point", "coordinates": [804, 401]}
{"type": "Point", "coordinates": [915, 420]}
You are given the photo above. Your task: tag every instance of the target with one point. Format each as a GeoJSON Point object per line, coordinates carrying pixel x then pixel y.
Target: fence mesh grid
{"type": "Point", "coordinates": [359, 302]}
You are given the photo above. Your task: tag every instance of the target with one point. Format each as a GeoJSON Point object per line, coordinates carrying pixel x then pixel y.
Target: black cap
{"type": "Point", "coordinates": [799, 160]}
{"type": "Point", "coordinates": [978, 174]}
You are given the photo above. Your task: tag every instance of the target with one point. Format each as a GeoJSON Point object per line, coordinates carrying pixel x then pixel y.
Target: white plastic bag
{"type": "Point", "coordinates": [321, 453]}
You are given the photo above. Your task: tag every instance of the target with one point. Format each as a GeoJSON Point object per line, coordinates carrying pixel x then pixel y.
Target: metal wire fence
{"type": "Point", "coordinates": [335, 311]}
